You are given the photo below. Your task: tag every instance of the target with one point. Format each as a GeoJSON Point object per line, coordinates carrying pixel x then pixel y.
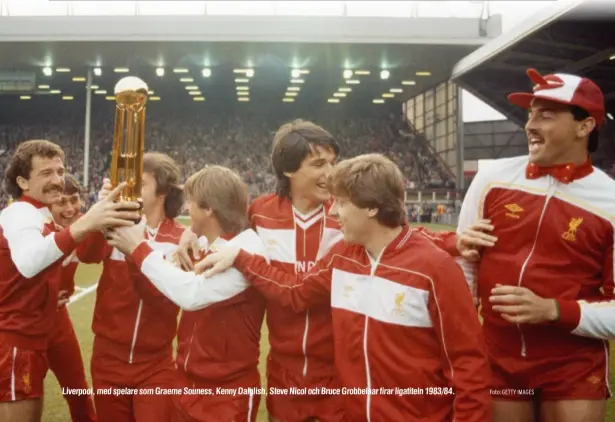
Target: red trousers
{"type": "Point", "coordinates": [191, 406]}
{"type": "Point", "coordinates": [579, 376]}
{"type": "Point", "coordinates": [22, 373]}
{"type": "Point", "coordinates": [298, 408]}
{"type": "Point", "coordinates": [65, 361]}
{"type": "Point", "coordinates": [138, 405]}
{"type": "Point", "coordinates": [205, 408]}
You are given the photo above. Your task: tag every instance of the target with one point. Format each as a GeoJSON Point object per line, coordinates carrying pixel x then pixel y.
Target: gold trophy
{"type": "Point", "coordinates": [128, 137]}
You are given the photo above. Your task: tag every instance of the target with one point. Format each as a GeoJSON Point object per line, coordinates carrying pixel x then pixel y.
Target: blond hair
{"type": "Point", "coordinates": [221, 190]}
{"type": "Point", "coordinates": [371, 181]}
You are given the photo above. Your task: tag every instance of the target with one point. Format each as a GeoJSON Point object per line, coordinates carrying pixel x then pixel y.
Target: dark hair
{"type": "Point", "coordinates": [292, 143]}
{"type": "Point", "coordinates": [21, 163]}
{"type": "Point", "coordinates": [167, 174]}
{"type": "Point", "coordinates": [71, 185]}
{"type": "Point", "coordinates": [580, 114]}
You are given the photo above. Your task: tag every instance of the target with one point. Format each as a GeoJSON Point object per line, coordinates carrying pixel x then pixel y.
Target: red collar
{"type": "Point", "coordinates": [563, 173]}
{"type": "Point", "coordinates": [29, 200]}
{"type": "Point", "coordinates": [402, 236]}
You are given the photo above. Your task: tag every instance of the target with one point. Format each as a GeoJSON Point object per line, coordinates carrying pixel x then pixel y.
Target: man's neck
{"type": "Point", "coordinates": [379, 239]}
{"type": "Point", "coordinates": [154, 217]}
{"type": "Point", "coordinates": [576, 158]}
{"type": "Point", "coordinates": [304, 205]}
{"type": "Point", "coordinates": [212, 232]}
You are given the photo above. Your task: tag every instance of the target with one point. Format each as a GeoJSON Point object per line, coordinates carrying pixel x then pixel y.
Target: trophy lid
{"type": "Point", "coordinates": [130, 83]}
{"type": "Point", "coordinates": [131, 92]}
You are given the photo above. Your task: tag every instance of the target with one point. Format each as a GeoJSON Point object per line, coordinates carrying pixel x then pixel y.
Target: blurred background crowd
{"type": "Point", "coordinates": [240, 142]}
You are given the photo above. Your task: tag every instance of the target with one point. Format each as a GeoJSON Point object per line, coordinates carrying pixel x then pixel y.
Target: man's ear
{"type": "Point", "coordinates": [22, 182]}
{"type": "Point", "coordinates": [586, 127]}
{"type": "Point", "coordinates": [372, 212]}
{"type": "Point", "coordinates": [289, 174]}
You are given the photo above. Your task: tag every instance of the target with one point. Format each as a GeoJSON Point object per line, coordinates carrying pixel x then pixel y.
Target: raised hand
{"type": "Point", "coordinates": [107, 214]}
{"type": "Point", "coordinates": [187, 250]}
{"type": "Point", "coordinates": [217, 262]}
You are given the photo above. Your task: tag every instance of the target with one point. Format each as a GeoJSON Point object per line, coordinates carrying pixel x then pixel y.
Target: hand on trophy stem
{"type": "Point", "coordinates": [126, 239]}
{"type": "Point", "coordinates": [107, 213]}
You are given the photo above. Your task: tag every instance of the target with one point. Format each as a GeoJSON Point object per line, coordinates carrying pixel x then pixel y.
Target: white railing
{"type": "Point", "coordinates": [402, 9]}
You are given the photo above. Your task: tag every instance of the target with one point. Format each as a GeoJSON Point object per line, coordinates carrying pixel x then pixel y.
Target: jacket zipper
{"type": "Point", "coordinates": [134, 334]}
{"type": "Point", "coordinates": [304, 345]}
{"type": "Point", "coordinates": [550, 193]}
{"type": "Point", "coordinates": [368, 403]}
{"type": "Point", "coordinates": [307, 313]}
{"type": "Point", "coordinates": [189, 348]}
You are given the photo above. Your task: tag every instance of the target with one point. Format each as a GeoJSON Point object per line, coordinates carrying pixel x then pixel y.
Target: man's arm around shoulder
{"type": "Point", "coordinates": [297, 291]}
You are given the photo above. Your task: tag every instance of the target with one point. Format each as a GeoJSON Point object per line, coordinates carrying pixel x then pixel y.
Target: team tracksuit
{"type": "Point", "coordinates": [555, 230]}
{"type": "Point", "coordinates": [31, 249]}
{"type": "Point", "coordinates": [134, 332]}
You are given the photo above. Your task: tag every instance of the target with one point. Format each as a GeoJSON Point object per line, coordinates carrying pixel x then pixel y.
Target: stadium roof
{"type": "Point", "coordinates": [412, 68]}
{"type": "Point", "coordinates": [571, 37]}
{"type": "Point", "coordinates": [394, 57]}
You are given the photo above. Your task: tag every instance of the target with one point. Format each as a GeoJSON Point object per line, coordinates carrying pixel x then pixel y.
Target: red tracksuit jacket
{"type": "Point", "coordinates": [300, 342]}
{"type": "Point", "coordinates": [406, 320]}
{"type": "Point", "coordinates": [30, 272]}
{"type": "Point", "coordinates": [132, 329]}
{"type": "Point", "coordinates": [303, 342]}
{"type": "Point", "coordinates": [555, 237]}
{"type": "Point", "coordinates": [220, 327]}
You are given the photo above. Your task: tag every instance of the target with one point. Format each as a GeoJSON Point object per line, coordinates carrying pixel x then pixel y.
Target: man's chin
{"type": "Point", "coordinates": [196, 231]}
{"type": "Point", "coordinates": [323, 197]}
{"type": "Point", "coordinates": [53, 197]}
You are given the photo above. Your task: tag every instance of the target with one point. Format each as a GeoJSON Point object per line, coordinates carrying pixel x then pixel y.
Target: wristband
{"type": "Point", "coordinates": [557, 312]}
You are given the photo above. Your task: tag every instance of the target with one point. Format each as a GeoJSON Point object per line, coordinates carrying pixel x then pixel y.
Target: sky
{"type": "Point", "coordinates": [513, 13]}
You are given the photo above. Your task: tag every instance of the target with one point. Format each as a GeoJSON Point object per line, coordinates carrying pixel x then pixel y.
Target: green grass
{"type": "Point", "coordinates": [81, 311]}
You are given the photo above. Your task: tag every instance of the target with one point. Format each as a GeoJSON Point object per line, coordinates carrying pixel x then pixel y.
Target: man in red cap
{"type": "Point", "coordinates": [554, 216]}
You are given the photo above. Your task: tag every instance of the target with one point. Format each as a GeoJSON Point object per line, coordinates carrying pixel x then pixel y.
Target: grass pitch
{"type": "Point", "coordinates": [81, 311]}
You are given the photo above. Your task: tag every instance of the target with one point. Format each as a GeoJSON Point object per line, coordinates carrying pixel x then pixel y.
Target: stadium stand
{"type": "Point", "coordinates": [241, 142]}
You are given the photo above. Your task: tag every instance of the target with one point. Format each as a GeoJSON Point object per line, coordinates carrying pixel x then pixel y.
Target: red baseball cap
{"type": "Point", "coordinates": [563, 89]}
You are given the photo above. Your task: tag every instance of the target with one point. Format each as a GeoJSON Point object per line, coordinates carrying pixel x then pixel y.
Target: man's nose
{"type": "Point", "coordinates": [530, 125]}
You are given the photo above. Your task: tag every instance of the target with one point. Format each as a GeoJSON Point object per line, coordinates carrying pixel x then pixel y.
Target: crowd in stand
{"type": "Point", "coordinates": [241, 142]}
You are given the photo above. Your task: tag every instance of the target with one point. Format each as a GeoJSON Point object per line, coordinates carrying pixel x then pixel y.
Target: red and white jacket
{"type": "Point", "coordinates": [300, 342]}
{"type": "Point", "coordinates": [555, 236]}
{"type": "Point", "coordinates": [220, 327]}
{"type": "Point", "coordinates": [69, 269]}
{"type": "Point", "coordinates": [69, 265]}
{"type": "Point", "coordinates": [31, 248]}
{"type": "Point", "coordinates": [303, 342]}
{"type": "Point", "coordinates": [403, 321]}
{"type": "Point", "coordinates": [131, 323]}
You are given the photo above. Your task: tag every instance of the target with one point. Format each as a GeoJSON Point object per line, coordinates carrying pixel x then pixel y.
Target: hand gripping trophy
{"type": "Point", "coordinates": [128, 137]}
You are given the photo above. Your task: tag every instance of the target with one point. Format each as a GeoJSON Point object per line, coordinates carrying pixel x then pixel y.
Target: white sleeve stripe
{"type": "Point", "coordinates": [188, 290]}
{"type": "Point", "coordinates": [597, 320]}
{"type": "Point", "coordinates": [31, 252]}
